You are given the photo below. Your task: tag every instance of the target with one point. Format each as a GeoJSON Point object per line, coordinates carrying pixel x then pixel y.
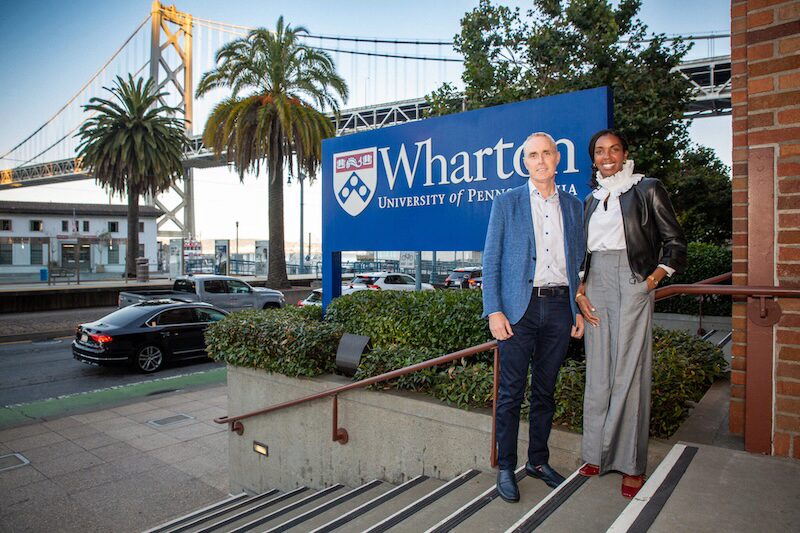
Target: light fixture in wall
{"type": "Point", "coordinates": [260, 448]}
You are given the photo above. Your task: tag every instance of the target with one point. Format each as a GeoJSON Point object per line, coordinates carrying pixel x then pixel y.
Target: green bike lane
{"type": "Point", "coordinates": [51, 408]}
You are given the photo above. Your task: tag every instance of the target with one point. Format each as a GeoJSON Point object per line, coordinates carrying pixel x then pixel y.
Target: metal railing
{"type": "Point", "coordinates": [767, 313]}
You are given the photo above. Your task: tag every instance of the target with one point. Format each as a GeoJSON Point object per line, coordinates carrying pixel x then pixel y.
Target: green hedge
{"type": "Point", "coordinates": [291, 341]}
{"type": "Point", "coordinates": [442, 321]}
{"type": "Point", "coordinates": [407, 328]}
{"type": "Point", "coordinates": [705, 261]}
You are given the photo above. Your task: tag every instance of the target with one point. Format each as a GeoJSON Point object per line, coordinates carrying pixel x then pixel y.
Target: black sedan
{"type": "Point", "coordinates": [146, 335]}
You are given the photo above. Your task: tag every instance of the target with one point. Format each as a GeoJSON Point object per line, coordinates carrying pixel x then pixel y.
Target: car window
{"type": "Point", "coordinates": [209, 315]}
{"type": "Point", "coordinates": [180, 315]}
{"type": "Point", "coordinates": [215, 286]}
{"type": "Point", "coordinates": [392, 280]}
{"type": "Point", "coordinates": [124, 316]}
{"type": "Point", "coordinates": [314, 297]}
{"type": "Point", "coordinates": [237, 287]}
{"type": "Point", "coordinates": [184, 285]}
{"type": "Point", "coordinates": [458, 274]}
{"type": "Point", "coordinates": [364, 280]}
{"type": "Point", "coordinates": [408, 280]}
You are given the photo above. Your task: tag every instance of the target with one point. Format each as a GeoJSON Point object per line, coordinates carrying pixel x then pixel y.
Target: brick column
{"type": "Point", "coordinates": [765, 63]}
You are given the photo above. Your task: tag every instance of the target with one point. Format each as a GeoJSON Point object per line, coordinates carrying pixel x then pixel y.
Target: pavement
{"type": "Point", "coordinates": [115, 468]}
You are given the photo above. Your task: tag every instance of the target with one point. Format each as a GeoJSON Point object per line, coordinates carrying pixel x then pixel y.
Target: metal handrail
{"type": "Point", "coordinates": [340, 435]}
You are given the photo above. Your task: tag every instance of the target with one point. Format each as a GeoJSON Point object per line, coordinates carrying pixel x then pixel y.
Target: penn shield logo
{"type": "Point", "coordinates": [355, 177]}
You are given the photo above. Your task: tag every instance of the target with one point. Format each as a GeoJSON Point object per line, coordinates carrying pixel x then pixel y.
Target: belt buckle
{"type": "Point", "coordinates": [539, 293]}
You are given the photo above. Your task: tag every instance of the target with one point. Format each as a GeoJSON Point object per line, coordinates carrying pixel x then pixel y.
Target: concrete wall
{"type": "Point", "coordinates": [393, 436]}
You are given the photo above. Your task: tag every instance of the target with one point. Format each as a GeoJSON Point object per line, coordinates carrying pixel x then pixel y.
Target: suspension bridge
{"type": "Point", "coordinates": [174, 48]}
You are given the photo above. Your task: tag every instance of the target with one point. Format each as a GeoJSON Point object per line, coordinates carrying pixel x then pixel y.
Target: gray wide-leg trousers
{"type": "Point", "coordinates": [619, 353]}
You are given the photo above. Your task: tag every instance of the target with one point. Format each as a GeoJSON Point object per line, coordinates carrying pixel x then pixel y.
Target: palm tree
{"type": "Point", "coordinates": [279, 88]}
{"type": "Point", "coordinates": [133, 145]}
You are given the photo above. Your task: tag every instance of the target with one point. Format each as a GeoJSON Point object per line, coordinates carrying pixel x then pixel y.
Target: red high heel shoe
{"type": "Point", "coordinates": [589, 470]}
{"type": "Point", "coordinates": [629, 491]}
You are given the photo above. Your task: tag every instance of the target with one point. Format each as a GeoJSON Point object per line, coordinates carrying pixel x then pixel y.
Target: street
{"type": "Point", "coordinates": [32, 371]}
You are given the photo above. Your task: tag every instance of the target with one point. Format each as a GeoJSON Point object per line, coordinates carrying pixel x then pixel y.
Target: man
{"type": "Point", "coordinates": [534, 248]}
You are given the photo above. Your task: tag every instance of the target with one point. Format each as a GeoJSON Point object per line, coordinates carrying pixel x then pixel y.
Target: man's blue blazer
{"type": "Point", "coordinates": [509, 256]}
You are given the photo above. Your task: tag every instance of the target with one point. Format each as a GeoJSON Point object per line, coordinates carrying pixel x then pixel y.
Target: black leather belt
{"type": "Point", "coordinates": [544, 292]}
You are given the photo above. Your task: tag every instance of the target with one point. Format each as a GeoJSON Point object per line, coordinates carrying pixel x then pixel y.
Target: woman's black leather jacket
{"type": "Point", "coordinates": [652, 234]}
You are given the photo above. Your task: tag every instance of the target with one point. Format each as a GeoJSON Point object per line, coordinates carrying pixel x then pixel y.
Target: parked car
{"type": "Point", "coordinates": [388, 281]}
{"type": "Point", "coordinates": [146, 335]}
{"type": "Point", "coordinates": [315, 298]}
{"type": "Point", "coordinates": [223, 291]}
{"type": "Point", "coordinates": [464, 278]}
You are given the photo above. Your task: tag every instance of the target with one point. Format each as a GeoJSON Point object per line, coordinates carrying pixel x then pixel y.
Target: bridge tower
{"type": "Point", "coordinates": [171, 30]}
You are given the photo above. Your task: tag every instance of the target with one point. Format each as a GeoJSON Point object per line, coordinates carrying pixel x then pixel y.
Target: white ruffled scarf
{"type": "Point", "coordinates": [617, 184]}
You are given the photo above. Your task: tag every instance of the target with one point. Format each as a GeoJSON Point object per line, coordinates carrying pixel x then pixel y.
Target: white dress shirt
{"type": "Point", "coordinates": [548, 230]}
{"type": "Point", "coordinates": [606, 231]}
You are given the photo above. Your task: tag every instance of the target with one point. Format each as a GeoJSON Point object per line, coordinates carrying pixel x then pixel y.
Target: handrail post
{"type": "Point", "coordinates": [495, 387]}
{"type": "Point", "coordinates": [338, 434]}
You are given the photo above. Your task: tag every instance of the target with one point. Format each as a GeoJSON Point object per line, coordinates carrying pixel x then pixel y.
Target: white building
{"type": "Point", "coordinates": [34, 235]}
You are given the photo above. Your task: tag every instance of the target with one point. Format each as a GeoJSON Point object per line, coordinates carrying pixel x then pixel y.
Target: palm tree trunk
{"type": "Point", "coordinates": [277, 278]}
{"type": "Point", "coordinates": [133, 232]}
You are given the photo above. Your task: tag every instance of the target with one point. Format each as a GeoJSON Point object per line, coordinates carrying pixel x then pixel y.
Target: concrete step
{"type": "Point", "coordinates": [264, 519]}
{"type": "Point", "coordinates": [347, 519]}
{"type": "Point", "coordinates": [333, 509]}
{"type": "Point", "coordinates": [497, 515]}
{"type": "Point", "coordinates": [206, 512]}
{"type": "Point", "coordinates": [444, 505]}
{"type": "Point", "coordinates": [593, 507]}
{"type": "Point", "coordinates": [201, 520]}
{"type": "Point", "coordinates": [412, 493]}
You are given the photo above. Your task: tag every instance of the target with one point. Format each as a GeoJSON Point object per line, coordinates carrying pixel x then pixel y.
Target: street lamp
{"type": "Point", "coordinates": [300, 178]}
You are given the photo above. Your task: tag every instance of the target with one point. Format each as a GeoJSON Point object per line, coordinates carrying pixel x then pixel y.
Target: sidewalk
{"type": "Point", "coordinates": [116, 469]}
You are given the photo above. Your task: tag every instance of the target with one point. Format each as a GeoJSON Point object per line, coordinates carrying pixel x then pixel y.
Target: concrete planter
{"type": "Point", "coordinates": [393, 436]}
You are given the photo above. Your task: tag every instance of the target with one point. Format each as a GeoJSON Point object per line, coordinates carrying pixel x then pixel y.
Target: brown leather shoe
{"type": "Point", "coordinates": [631, 485]}
{"type": "Point", "coordinates": [589, 470]}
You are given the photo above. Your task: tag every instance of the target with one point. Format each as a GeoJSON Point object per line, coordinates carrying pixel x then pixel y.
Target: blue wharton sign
{"type": "Point", "coordinates": [429, 185]}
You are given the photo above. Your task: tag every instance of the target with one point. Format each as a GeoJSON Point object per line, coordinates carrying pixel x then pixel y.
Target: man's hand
{"type": "Point", "coordinates": [500, 326]}
{"type": "Point", "coordinates": [577, 329]}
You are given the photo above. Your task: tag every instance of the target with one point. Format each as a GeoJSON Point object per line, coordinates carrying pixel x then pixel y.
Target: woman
{"type": "Point", "coordinates": [633, 242]}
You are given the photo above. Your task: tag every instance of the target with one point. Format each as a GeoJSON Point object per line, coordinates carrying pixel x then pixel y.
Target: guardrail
{"type": "Point", "coordinates": [767, 308]}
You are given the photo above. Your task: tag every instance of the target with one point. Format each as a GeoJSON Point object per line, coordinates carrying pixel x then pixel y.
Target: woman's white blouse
{"type": "Point", "coordinates": [605, 228]}
{"type": "Point", "coordinates": [606, 231]}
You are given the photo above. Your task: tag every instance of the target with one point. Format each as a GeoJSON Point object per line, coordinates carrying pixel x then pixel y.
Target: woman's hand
{"type": "Point", "coordinates": [586, 307]}
{"type": "Point", "coordinates": [654, 279]}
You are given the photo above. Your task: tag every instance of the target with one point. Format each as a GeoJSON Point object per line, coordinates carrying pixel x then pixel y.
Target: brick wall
{"type": "Point", "coordinates": [765, 62]}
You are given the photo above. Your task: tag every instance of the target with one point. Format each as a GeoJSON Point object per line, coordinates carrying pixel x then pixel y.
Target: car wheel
{"type": "Point", "coordinates": [149, 358]}
{"type": "Point", "coordinates": [271, 306]}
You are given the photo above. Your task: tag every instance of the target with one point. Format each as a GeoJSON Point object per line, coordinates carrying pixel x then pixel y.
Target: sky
{"type": "Point", "coordinates": [48, 49]}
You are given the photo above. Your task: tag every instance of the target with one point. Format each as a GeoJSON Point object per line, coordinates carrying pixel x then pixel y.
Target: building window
{"type": "Point", "coordinates": [36, 254]}
{"type": "Point", "coordinates": [141, 250]}
{"type": "Point", "coordinates": [86, 226]}
{"type": "Point", "coordinates": [65, 225]}
{"type": "Point", "coordinates": [5, 225]}
{"type": "Point", "coordinates": [113, 227]}
{"type": "Point", "coordinates": [5, 254]}
{"type": "Point", "coordinates": [37, 225]}
{"type": "Point", "coordinates": [113, 254]}
{"type": "Point", "coordinates": [141, 227]}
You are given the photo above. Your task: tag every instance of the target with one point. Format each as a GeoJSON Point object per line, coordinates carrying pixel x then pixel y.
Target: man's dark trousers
{"type": "Point", "coordinates": [540, 340]}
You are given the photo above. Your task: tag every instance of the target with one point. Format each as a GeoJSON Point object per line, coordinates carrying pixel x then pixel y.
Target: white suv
{"type": "Point", "coordinates": [387, 281]}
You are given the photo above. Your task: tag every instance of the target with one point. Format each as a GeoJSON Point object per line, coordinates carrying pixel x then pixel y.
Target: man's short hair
{"type": "Point", "coordinates": [539, 134]}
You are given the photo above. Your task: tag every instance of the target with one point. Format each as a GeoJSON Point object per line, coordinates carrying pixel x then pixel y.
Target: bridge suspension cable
{"type": "Point", "coordinates": [75, 96]}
